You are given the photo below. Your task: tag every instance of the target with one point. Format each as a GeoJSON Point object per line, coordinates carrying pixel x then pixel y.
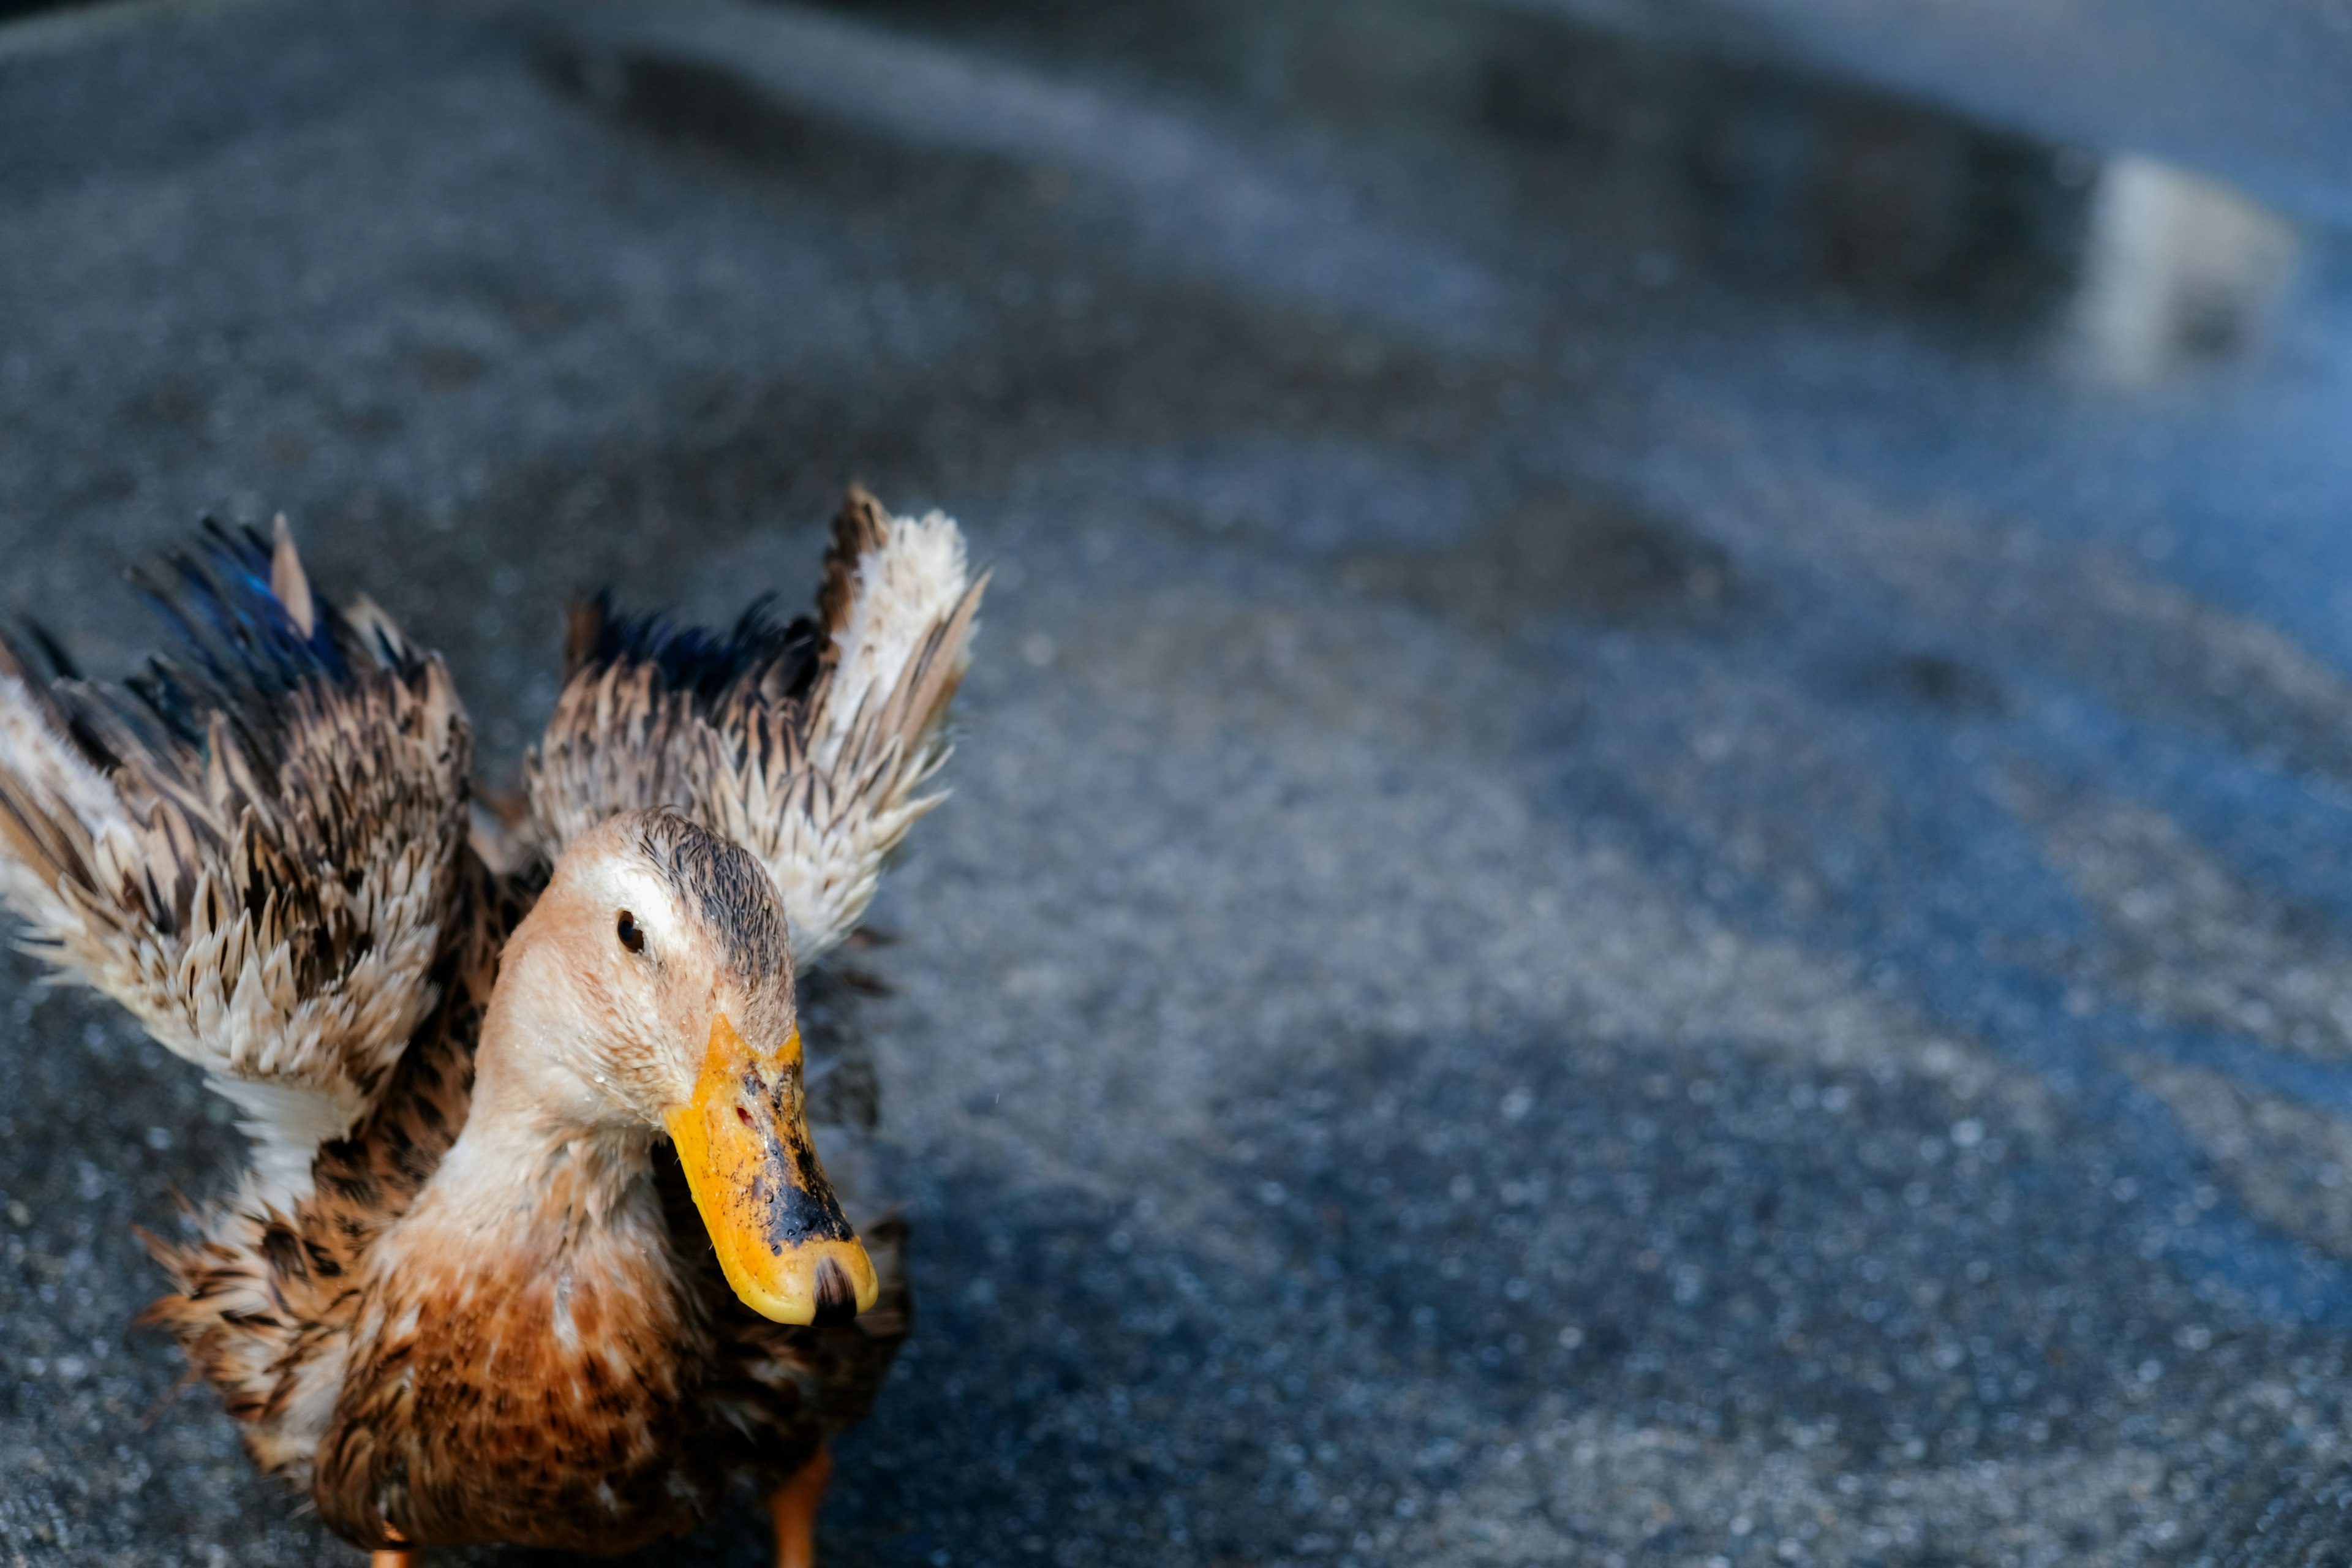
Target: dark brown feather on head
{"type": "Point", "coordinates": [730, 890]}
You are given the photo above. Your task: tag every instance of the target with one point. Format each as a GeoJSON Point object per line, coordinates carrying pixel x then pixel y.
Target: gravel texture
{"type": "Point", "coordinates": [1651, 862]}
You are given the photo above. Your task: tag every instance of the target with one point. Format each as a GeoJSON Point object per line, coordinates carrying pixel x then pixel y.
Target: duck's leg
{"type": "Point", "coordinates": [399, 1556]}
{"type": "Point", "coordinates": [795, 1506]}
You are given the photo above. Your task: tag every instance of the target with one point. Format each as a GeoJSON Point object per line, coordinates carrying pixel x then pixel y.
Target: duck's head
{"type": "Point", "coordinates": [666, 946]}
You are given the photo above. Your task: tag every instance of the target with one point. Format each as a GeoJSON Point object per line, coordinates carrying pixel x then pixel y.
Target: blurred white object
{"type": "Point", "coordinates": [2178, 272]}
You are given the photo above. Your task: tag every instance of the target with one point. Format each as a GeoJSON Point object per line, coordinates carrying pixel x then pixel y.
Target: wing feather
{"type": "Point", "coordinates": [255, 852]}
{"type": "Point", "coordinates": [810, 744]}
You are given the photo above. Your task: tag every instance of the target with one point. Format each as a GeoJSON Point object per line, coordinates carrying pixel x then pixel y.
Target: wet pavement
{"type": "Point", "coordinates": [1653, 856]}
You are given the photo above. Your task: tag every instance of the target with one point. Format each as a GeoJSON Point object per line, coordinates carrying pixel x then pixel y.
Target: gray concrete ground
{"type": "Point", "coordinates": [1654, 862]}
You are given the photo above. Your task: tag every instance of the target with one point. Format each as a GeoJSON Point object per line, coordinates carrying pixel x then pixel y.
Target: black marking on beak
{"type": "Point", "coordinates": [836, 1297]}
{"type": "Point", "coordinates": [801, 1207]}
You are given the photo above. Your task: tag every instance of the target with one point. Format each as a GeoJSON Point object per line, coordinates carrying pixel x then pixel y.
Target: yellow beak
{"type": "Point", "coordinates": [744, 1141]}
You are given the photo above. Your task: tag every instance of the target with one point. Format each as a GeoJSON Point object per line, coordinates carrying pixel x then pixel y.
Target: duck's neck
{"type": "Point", "coordinates": [516, 1175]}
{"type": "Point", "coordinates": [544, 1158]}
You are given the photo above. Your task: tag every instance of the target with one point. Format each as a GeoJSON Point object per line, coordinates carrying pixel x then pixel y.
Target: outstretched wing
{"type": "Point", "coordinates": [254, 848]}
{"type": "Point", "coordinates": [808, 744]}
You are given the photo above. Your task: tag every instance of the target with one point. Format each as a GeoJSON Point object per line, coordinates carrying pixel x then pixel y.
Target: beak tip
{"type": "Point", "coordinates": [836, 1297]}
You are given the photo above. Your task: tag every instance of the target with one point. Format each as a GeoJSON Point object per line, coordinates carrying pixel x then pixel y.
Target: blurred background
{"type": "Point", "coordinates": [1653, 861]}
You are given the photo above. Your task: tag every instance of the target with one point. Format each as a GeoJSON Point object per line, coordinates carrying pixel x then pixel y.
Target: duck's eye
{"type": "Point", "coordinates": [631, 937]}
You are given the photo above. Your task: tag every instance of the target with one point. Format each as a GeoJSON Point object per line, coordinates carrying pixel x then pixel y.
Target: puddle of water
{"type": "Point", "coordinates": [2131, 270]}
{"type": "Point", "coordinates": [2128, 271]}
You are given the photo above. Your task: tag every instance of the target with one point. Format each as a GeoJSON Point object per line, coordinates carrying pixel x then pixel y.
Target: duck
{"type": "Point", "coordinates": [534, 1244]}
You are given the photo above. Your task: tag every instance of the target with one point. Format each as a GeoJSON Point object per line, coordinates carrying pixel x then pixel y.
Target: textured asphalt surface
{"type": "Point", "coordinates": [1654, 858]}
